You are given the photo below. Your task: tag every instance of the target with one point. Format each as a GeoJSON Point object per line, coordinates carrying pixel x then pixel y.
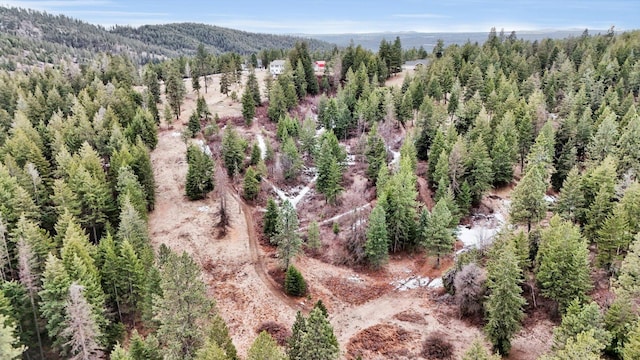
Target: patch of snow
{"type": "Point", "coordinates": [262, 145]}
{"type": "Point", "coordinates": [410, 283]}
{"type": "Point", "coordinates": [320, 131]}
{"type": "Point", "coordinates": [176, 134]}
{"type": "Point", "coordinates": [550, 199]}
{"type": "Point", "coordinates": [396, 157]}
{"type": "Point", "coordinates": [355, 278]}
{"type": "Point", "coordinates": [436, 283]}
{"type": "Point", "coordinates": [337, 217]}
{"type": "Point", "coordinates": [351, 160]}
{"type": "Point", "coordinates": [204, 209]}
{"type": "Point", "coordinates": [483, 228]}
{"type": "Point", "coordinates": [204, 147]}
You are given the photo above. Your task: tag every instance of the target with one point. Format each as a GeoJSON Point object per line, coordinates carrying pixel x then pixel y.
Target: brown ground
{"type": "Point", "coordinates": [368, 315]}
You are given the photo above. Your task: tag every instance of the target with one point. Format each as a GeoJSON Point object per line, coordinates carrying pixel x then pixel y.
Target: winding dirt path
{"type": "Point", "coordinates": [257, 259]}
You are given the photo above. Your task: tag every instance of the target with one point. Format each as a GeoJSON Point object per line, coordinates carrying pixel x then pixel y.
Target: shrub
{"type": "Point", "coordinates": [294, 283]}
{"type": "Point", "coordinates": [436, 347]}
{"type": "Point", "coordinates": [469, 286]}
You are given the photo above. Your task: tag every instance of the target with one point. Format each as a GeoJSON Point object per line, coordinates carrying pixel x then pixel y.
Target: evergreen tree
{"type": "Point", "coordinates": [618, 321]}
{"type": "Point", "coordinates": [563, 264]}
{"type": "Point", "coordinates": [584, 347]}
{"type": "Point", "coordinates": [232, 151]}
{"type": "Point", "coordinates": [194, 124]}
{"type": "Point", "coordinates": [290, 160]}
{"type": "Point", "coordinates": [477, 352]}
{"type": "Point", "coordinates": [578, 319]}
{"type": "Point", "coordinates": [175, 90]}
{"type": "Point", "coordinates": [253, 87]}
{"type": "Point", "coordinates": [144, 349]}
{"type": "Point", "coordinates": [313, 236]}
{"type": "Point", "coordinates": [570, 204]}
{"type": "Point", "coordinates": [54, 293]}
{"type": "Point", "coordinates": [183, 310]}
{"type": "Point", "coordinates": [269, 228]}
{"type": "Point", "coordinates": [277, 102]}
{"type": "Point", "coordinates": [251, 186]}
{"type": "Point", "coordinates": [199, 180]}
{"type": "Point", "coordinates": [400, 196]}
{"type": "Point", "coordinates": [307, 137]}
{"type": "Point", "coordinates": [479, 171]}
{"type": "Point", "coordinates": [629, 279]}
{"type": "Point", "coordinates": [504, 150]}
{"type": "Point", "coordinates": [80, 327]}
{"type": "Point", "coordinates": [265, 348]}
{"type": "Point", "coordinates": [248, 107]}
{"type": "Point", "coordinates": [631, 349]}
{"type": "Point", "coordinates": [505, 302]}
{"type": "Point", "coordinates": [294, 283]}
{"type": "Point", "coordinates": [294, 343]}
{"type": "Point", "coordinates": [376, 154]}
{"type": "Point", "coordinates": [318, 341]}
{"type": "Point", "coordinates": [9, 340]}
{"type": "Point", "coordinates": [528, 204]}
{"type": "Point", "coordinates": [437, 234]}
{"type": "Point", "coordinates": [612, 238]}
{"type": "Point", "coordinates": [377, 245]}
{"type": "Point", "coordinates": [287, 237]}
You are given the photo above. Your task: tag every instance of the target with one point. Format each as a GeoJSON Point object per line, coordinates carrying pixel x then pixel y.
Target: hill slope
{"type": "Point", "coordinates": [46, 37]}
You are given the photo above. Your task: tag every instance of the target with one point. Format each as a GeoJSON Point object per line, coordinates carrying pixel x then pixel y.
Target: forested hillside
{"type": "Point", "coordinates": [184, 38]}
{"type": "Point", "coordinates": [29, 36]}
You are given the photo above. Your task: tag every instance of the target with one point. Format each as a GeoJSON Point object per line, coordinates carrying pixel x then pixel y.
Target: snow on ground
{"type": "Point", "coordinates": [204, 147]}
{"type": "Point", "coordinates": [436, 283]}
{"type": "Point", "coordinates": [410, 283]}
{"type": "Point", "coordinates": [550, 199]}
{"type": "Point", "coordinates": [204, 209]}
{"type": "Point", "coordinates": [262, 145]}
{"type": "Point", "coordinates": [176, 134]}
{"type": "Point", "coordinates": [483, 228]}
{"type": "Point", "coordinates": [296, 194]}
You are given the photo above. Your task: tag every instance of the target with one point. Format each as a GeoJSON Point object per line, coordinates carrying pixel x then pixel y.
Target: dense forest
{"type": "Point", "coordinates": [29, 36]}
{"type": "Point", "coordinates": [80, 278]}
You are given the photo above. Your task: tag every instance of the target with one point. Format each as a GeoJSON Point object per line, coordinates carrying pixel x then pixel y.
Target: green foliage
{"type": "Point", "coordinates": [619, 320]}
{"type": "Point", "coordinates": [248, 106]}
{"type": "Point", "coordinates": [175, 90]}
{"type": "Point", "coordinates": [377, 245]}
{"type": "Point", "coordinates": [528, 205]}
{"type": "Point", "coordinates": [265, 348]}
{"type": "Point", "coordinates": [505, 303]}
{"type": "Point", "coordinates": [578, 319]}
{"type": "Point", "coordinates": [290, 160]}
{"type": "Point", "coordinates": [436, 231]}
{"type": "Point", "coordinates": [294, 283]}
{"type": "Point", "coordinates": [313, 236]}
{"type": "Point", "coordinates": [194, 123]}
{"type": "Point", "coordinates": [584, 347]}
{"type": "Point", "coordinates": [631, 349]}
{"type": "Point", "coordinates": [329, 173]}
{"type": "Point", "coordinates": [562, 263]}
{"type": "Point", "coordinates": [294, 343]}
{"type": "Point", "coordinates": [199, 174]}
{"type": "Point", "coordinates": [251, 184]}
{"type": "Point", "coordinates": [318, 341]}
{"type": "Point", "coordinates": [269, 228]}
{"type": "Point", "coordinates": [477, 351]}
{"type": "Point", "coordinates": [629, 279]}
{"type": "Point", "coordinates": [232, 151]}
{"type": "Point", "coordinates": [286, 236]}
{"type": "Point", "coordinates": [9, 347]}
{"type": "Point", "coordinates": [183, 310]}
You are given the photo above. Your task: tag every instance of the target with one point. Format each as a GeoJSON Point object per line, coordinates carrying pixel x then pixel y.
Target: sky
{"type": "Point", "coordinates": [351, 16]}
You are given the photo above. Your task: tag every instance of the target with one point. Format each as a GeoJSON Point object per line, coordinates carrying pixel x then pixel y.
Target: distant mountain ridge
{"type": "Point", "coordinates": [411, 39]}
{"type": "Point", "coordinates": [41, 31]}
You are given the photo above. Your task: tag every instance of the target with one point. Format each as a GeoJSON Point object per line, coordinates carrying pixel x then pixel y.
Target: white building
{"type": "Point", "coordinates": [276, 67]}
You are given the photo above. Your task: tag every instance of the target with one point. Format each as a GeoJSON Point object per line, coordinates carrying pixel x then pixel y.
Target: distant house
{"type": "Point", "coordinates": [415, 64]}
{"type": "Point", "coordinates": [319, 66]}
{"type": "Point", "coordinates": [276, 67]}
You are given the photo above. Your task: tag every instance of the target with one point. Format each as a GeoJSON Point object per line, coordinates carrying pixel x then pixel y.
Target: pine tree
{"type": "Point", "coordinates": [563, 264]}
{"type": "Point", "coordinates": [528, 204]}
{"type": "Point", "coordinates": [579, 319]}
{"type": "Point", "coordinates": [329, 173]}
{"type": "Point", "coordinates": [307, 137]}
{"type": "Point", "coordinates": [269, 228]}
{"type": "Point", "coordinates": [251, 185]}
{"type": "Point", "coordinates": [618, 321]}
{"type": "Point", "coordinates": [290, 160]}
{"type": "Point", "coordinates": [376, 154]}
{"type": "Point", "coordinates": [183, 311]}
{"type": "Point", "coordinates": [29, 279]}
{"type": "Point", "coordinates": [134, 230]}
{"type": "Point", "coordinates": [144, 349]}
{"type": "Point", "coordinates": [265, 348]}
{"type": "Point", "coordinates": [505, 303]}
{"type": "Point", "coordinates": [232, 151]}
{"type": "Point", "coordinates": [277, 102]}
{"type": "Point", "coordinates": [318, 341]}
{"type": "Point", "coordinates": [294, 283]}
{"type": "Point", "coordinates": [194, 124]}
{"type": "Point", "coordinates": [298, 330]}
{"type": "Point", "coordinates": [54, 293]}
{"type": "Point", "coordinates": [9, 340]}
{"type": "Point", "coordinates": [613, 238]}
{"type": "Point", "coordinates": [218, 332]}
{"type": "Point", "coordinates": [313, 236]}
{"type": "Point", "coordinates": [118, 353]}
{"type": "Point", "coordinates": [503, 152]}
{"type": "Point", "coordinates": [631, 349]}
{"type": "Point", "coordinates": [479, 171]}
{"type": "Point", "coordinates": [175, 90]}
{"type": "Point", "coordinates": [570, 204]}
{"type": "Point", "coordinates": [437, 234]}
{"type": "Point", "coordinates": [584, 347]}
{"type": "Point", "coordinates": [377, 245]}
{"type": "Point", "coordinates": [287, 238]}
{"type": "Point", "coordinates": [254, 87]}
{"type": "Point", "coordinates": [80, 327]}
{"type": "Point", "coordinates": [477, 351]}
{"type": "Point", "coordinates": [248, 107]}
{"type": "Point", "coordinates": [210, 351]}
{"type": "Point", "coordinates": [629, 279]}
{"type": "Point", "coordinates": [199, 174]}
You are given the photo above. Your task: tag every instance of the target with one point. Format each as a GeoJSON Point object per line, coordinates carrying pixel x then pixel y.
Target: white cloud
{"type": "Point", "coordinates": [421, 16]}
